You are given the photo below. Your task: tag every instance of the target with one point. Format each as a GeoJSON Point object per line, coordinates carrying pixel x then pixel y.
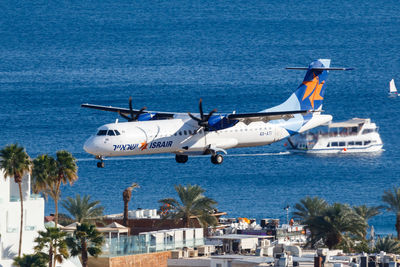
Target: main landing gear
{"type": "Point", "coordinates": [100, 164]}
{"type": "Point", "coordinates": [181, 158]}
{"type": "Point", "coordinates": [217, 159]}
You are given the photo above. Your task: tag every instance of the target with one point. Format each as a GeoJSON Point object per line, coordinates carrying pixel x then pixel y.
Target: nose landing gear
{"type": "Point", "coordinates": [100, 164]}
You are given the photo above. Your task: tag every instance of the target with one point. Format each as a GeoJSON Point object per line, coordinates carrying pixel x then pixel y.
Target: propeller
{"type": "Point", "coordinates": [133, 117]}
{"type": "Point", "coordinates": [203, 120]}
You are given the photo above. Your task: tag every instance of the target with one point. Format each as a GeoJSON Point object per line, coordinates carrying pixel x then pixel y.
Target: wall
{"type": "Point", "coordinates": [158, 259]}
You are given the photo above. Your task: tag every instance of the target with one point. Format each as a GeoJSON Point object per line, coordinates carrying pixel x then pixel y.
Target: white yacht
{"type": "Point", "coordinates": [352, 136]}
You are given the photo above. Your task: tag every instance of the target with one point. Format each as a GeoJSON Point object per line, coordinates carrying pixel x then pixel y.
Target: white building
{"type": "Point", "coordinates": [10, 219]}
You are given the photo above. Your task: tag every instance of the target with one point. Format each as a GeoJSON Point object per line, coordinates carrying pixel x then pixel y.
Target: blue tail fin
{"type": "Point", "coordinates": [310, 93]}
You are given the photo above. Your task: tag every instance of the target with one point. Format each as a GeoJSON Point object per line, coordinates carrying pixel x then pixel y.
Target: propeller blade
{"type": "Point", "coordinates": [194, 118]}
{"type": "Point", "coordinates": [201, 108]}
{"type": "Point", "coordinates": [139, 112]}
{"type": "Point", "coordinates": [211, 113]}
{"type": "Point", "coordinates": [130, 108]}
{"type": "Point", "coordinates": [124, 116]}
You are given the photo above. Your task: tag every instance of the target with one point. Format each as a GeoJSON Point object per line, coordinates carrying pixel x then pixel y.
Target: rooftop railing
{"type": "Point", "coordinates": [130, 245]}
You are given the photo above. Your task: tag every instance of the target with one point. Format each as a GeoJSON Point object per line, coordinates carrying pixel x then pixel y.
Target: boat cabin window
{"type": "Point", "coordinates": [102, 132]}
{"type": "Point", "coordinates": [342, 143]}
{"type": "Point", "coordinates": [110, 132]}
{"type": "Point", "coordinates": [116, 132]}
{"type": "Point", "coordinates": [367, 131]}
{"type": "Point", "coordinates": [180, 132]}
{"type": "Point", "coordinates": [358, 143]}
{"type": "Point", "coordinates": [185, 132]}
{"type": "Point", "coordinates": [328, 145]}
{"type": "Point", "coordinates": [190, 132]}
{"type": "Point", "coordinates": [334, 143]}
{"type": "Point", "coordinates": [367, 143]}
{"type": "Point", "coordinates": [351, 143]}
{"type": "Point", "coordinates": [175, 134]}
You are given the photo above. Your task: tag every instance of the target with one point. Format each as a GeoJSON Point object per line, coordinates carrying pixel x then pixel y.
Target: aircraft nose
{"type": "Point", "coordinates": [89, 146]}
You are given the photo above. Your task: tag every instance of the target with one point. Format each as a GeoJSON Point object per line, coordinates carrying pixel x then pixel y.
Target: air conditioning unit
{"type": "Point", "coordinates": [176, 254]}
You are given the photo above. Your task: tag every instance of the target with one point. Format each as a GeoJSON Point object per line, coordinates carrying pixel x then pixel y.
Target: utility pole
{"type": "Point", "coordinates": [287, 213]}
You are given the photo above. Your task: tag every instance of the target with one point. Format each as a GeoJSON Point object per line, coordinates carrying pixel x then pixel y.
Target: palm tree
{"type": "Point", "coordinates": [86, 239]}
{"type": "Point", "coordinates": [126, 196]}
{"type": "Point", "coordinates": [366, 213]}
{"type": "Point", "coordinates": [82, 209]}
{"type": "Point", "coordinates": [335, 225]}
{"type": "Point", "coordinates": [193, 204]}
{"type": "Point", "coordinates": [309, 207]}
{"type": "Point", "coordinates": [16, 163]}
{"type": "Point", "coordinates": [66, 173]}
{"type": "Point", "coordinates": [392, 199]}
{"type": "Point", "coordinates": [31, 260]}
{"type": "Point", "coordinates": [44, 176]}
{"type": "Point", "coordinates": [53, 242]}
{"type": "Point", "coordinates": [387, 244]}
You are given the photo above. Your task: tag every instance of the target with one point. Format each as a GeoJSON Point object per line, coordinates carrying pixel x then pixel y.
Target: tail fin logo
{"type": "Point", "coordinates": [313, 90]}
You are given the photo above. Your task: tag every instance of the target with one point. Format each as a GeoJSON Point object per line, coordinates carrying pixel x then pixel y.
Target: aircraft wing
{"type": "Point", "coordinates": [127, 112]}
{"type": "Point", "coordinates": [266, 116]}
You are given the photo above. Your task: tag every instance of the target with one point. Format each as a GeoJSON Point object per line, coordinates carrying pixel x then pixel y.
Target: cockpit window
{"type": "Point", "coordinates": [116, 132]}
{"type": "Point", "coordinates": [102, 132]}
{"type": "Point", "coordinates": [110, 132]}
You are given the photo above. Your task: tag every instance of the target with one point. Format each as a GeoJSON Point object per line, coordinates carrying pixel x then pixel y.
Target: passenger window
{"type": "Point", "coordinates": [184, 132]}
{"type": "Point", "coordinates": [110, 132]}
{"type": "Point", "coordinates": [358, 143]}
{"type": "Point", "coordinates": [175, 134]}
{"type": "Point", "coordinates": [334, 143]}
{"type": "Point", "coordinates": [342, 143]}
{"type": "Point", "coordinates": [351, 143]}
{"type": "Point", "coordinates": [190, 132]}
{"type": "Point", "coordinates": [329, 145]}
{"type": "Point", "coordinates": [102, 132]}
{"type": "Point", "coordinates": [367, 143]}
{"type": "Point", "coordinates": [180, 132]}
{"type": "Point", "coordinates": [367, 131]}
{"type": "Point", "coordinates": [116, 132]}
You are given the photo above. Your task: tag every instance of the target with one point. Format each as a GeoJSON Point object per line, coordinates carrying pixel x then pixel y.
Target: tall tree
{"type": "Point", "coordinates": [49, 173]}
{"type": "Point", "coordinates": [16, 163]}
{"type": "Point", "coordinates": [126, 196]}
{"type": "Point", "coordinates": [82, 209]}
{"type": "Point", "coordinates": [66, 173]}
{"type": "Point", "coordinates": [86, 239]}
{"type": "Point", "coordinates": [53, 244]}
{"type": "Point", "coordinates": [192, 203]}
{"type": "Point", "coordinates": [309, 207]}
{"type": "Point", "coordinates": [335, 225]}
{"type": "Point", "coordinates": [366, 213]}
{"type": "Point", "coordinates": [392, 199]}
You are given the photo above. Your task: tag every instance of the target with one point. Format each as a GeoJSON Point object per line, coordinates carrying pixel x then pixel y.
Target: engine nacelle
{"type": "Point", "coordinates": [219, 122]}
{"type": "Point", "coordinates": [146, 116]}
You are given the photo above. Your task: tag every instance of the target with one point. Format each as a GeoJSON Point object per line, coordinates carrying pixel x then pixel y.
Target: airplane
{"type": "Point", "coordinates": [187, 134]}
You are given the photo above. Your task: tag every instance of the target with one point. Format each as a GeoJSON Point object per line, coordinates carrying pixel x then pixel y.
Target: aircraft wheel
{"type": "Point", "coordinates": [100, 164]}
{"type": "Point", "coordinates": [217, 159]}
{"type": "Point", "coordinates": [181, 158]}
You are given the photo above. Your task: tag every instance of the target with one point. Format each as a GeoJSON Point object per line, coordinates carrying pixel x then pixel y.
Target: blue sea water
{"type": "Point", "coordinates": [56, 55]}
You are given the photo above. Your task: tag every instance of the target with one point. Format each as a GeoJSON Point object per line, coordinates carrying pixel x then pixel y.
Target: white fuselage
{"type": "Point", "coordinates": [176, 136]}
